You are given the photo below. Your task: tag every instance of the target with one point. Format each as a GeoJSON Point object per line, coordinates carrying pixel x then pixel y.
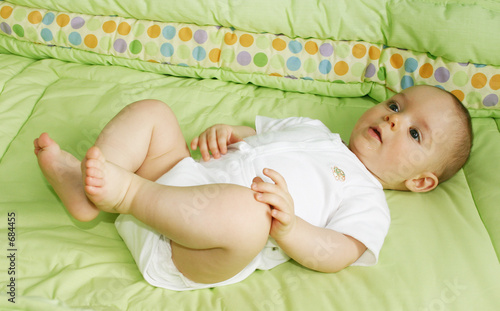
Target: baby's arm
{"type": "Point", "coordinates": [320, 249]}
{"type": "Point", "coordinates": [217, 137]}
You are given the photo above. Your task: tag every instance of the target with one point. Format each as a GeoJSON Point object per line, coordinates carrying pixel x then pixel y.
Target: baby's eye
{"type": "Point", "coordinates": [394, 106]}
{"type": "Point", "coordinates": [415, 134]}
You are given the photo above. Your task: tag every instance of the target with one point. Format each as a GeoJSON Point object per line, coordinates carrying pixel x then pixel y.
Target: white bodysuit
{"type": "Point", "coordinates": [330, 188]}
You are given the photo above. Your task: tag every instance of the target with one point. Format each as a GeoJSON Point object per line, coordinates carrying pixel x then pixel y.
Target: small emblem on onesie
{"type": "Point", "coordinates": [338, 174]}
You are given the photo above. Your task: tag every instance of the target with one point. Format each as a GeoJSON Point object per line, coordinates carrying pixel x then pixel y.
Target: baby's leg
{"type": "Point", "coordinates": [216, 230]}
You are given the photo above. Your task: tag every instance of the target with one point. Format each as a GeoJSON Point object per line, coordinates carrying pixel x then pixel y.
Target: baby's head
{"type": "Point", "coordinates": [414, 140]}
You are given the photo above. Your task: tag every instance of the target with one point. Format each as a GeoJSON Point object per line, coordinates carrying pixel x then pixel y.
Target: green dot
{"type": "Point", "coordinates": [460, 78]}
{"type": "Point", "coordinates": [277, 62]}
{"type": "Point", "coordinates": [392, 79]}
{"type": "Point", "coordinates": [473, 99]}
{"type": "Point", "coordinates": [138, 29]}
{"type": "Point", "coordinates": [20, 14]}
{"type": "Point", "coordinates": [19, 30]}
{"type": "Point", "coordinates": [310, 65]}
{"type": "Point", "coordinates": [262, 42]}
{"type": "Point", "coordinates": [31, 34]}
{"type": "Point", "coordinates": [227, 56]}
{"type": "Point", "coordinates": [105, 43]}
{"type": "Point", "coordinates": [343, 50]}
{"type": "Point", "coordinates": [384, 57]}
{"type": "Point", "coordinates": [135, 47]}
{"type": "Point", "coordinates": [183, 52]}
{"type": "Point", "coordinates": [93, 24]}
{"type": "Point", "coordinates": [151, 48]}
{"type": "Point", "coordinates": [260, 59]}
{"type": "Point", "coordinates": [381, 74]}
{"type": "Point", "coordinates": [358, 69]}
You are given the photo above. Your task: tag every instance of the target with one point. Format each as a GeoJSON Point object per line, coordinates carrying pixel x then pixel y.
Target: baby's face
{"type": "Point", "coordinates": [404, 136]}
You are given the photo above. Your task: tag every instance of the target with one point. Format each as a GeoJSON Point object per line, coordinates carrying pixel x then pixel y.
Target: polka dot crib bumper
{"type": "Point", "coordinates": [214, 47]}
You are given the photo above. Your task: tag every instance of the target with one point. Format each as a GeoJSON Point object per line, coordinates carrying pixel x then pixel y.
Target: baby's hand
{"type": "Point", "coordinates": [278, 197]}
{"type": "Point", "coordinates": [215, 139]}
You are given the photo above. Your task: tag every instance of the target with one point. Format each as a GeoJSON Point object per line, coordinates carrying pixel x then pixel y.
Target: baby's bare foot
{"type": "Point", "coordinates": [106, 184]}
{"type": "Point", "coordinates": [62, 171]}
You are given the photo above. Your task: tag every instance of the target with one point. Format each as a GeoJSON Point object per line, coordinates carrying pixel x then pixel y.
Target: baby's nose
{"type": "Point", "coordinates": [393, 121]}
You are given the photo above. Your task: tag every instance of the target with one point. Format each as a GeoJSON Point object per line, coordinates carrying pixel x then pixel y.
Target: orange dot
{"type": "Point", "coordinates": [495, 82]}
{"type": "Point", "coordinates": [124, 28]}
{"type": "Point", "coordinates": [154, 31]}
{"type": "Point", "coordinates": [426, 71]}
{"type": "Point", "coordinates": [459, 94]}
{"type": "Point", "coordinates": [397, 61]}
{"type": "Point", "coordinates": [359, 50]}
{"type": "Point", "coordinates": [478, 80]}
{"type": "Point", "coordinates": [279, 44]}
{"type": "Point", "coordinates": [341, 68]}
{"type": "Point", "coordinates": [35, 17]}
{"type": "Point", "coordinates": [214, 55]}
{"type": "Point", "coordinates": [230, 38]}
{"type": "Point", "coordinates": [6, 11]}
{"type": "Point", "coordinates": [246, 40]}
{"type": "Point", "coordinates": [274, 74]}
{"type": "Point", "coordinates": [374, 52]}
{"type": "Point", "coordinates": [90, 41]}
{"type": "Point", "coordinates": [185, 34]}
{"type": "Point", "coordinates": [311, 47]}
{"type": "Point", "coordinates": [109, 26]}
{"type": "Point", "coordinates": [62, 20]}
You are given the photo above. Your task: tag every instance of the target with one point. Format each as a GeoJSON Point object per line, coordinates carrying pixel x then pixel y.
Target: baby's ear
{"type": "Point", "coordinates": [422, 183]}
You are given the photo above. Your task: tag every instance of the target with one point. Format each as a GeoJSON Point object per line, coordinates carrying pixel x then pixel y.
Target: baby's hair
{"type": "Point", "coordinates": [461, 142]}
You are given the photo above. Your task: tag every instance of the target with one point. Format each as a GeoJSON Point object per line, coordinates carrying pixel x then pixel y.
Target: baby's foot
{"type": "Point", "coordinates": [106, 184]}
{"type": "Point", "coordinates": [62, 171]}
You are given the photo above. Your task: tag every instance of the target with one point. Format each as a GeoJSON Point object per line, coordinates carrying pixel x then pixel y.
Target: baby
{"type": "Point", "coordinates": [294, 190]}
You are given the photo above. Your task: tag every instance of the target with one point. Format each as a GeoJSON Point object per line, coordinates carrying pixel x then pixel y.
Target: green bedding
{"type": "Point", "coordinates": [442, 251]}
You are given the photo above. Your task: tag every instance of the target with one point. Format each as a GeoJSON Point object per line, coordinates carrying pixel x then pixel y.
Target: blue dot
{"type": "Point", "coordinates": [325, 66]}
{"type": "Point", "coordinates": [167, 49]}
{"type": "Point", "coordinates": [48, 18]}
{"type": "Point", "coordinates": [75, 38]}
{"type": "Point", "coordinates": [407, 82]}
{"type": "Point", "coordinates": [199, 53]}
{"type": "Point", "coordinates": [46, 34]}
{"type": "Point", "coordinates": [295, 47]}
{"type": "Point", "coordinates": [169, 32]}
{"type": "Point", "coordinates": [293, 63]}
{"type": "Point", "coordinates": [411, 65]}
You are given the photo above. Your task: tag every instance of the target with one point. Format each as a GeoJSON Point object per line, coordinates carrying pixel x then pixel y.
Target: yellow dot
{"type": "Point", "coordinates": [459, 94]}
{"type": "Point", "coordinates": [214, 55]}
{"type": "Point", "coordinates": [426, 71]}
{"type": "Point", "coordinates": [341, 68]}
{"type": "Point", "coordinates": [359, 50]}
{"type": "Point", "coordinates": [246, 40]}
{"type": "Point", "coordinates": [154, 31]}
{"type": "Point", "coordinates": [124, 28]}
{"type": "Point", "coordinates": [311, 47]}
{"type": "Point", "coordinates": [62, 20]}
{"type": "Point", "coordinates": [279, 44]}
{"type": "Point", "coordinates": [275, 74]}
{"type": "Point", "coordinates": [230, 38]}
{"type": "Point", "coordinates": [90, 41]}
{"type": "Point", "coordinates": [185, 34]}
{"type": "Point", "coordinates": [109, 26]}
{"type": "Point", "coordinates": [374, 52]}
{"type": "Point", "coordinates": [6, 11]}
{"type": "Point", "coordinates": [397, 61]}
{"type": "Point", "coordinates": [478, 80]}
{"type": "Point", "coordinates": [35, 17]}
{"type": "Point", "coordinates": [495, 82]}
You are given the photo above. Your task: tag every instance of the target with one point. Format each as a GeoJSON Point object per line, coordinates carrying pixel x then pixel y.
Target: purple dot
{"type": "Point", "coordinates": [200, 36]}
{"type": "Point", "coordinates": [244, 58]}
{"type": "Point", "coordinates": [120, 45]}
{"type": "Point", "coordinates": [370, 71]}
{"type": "Point", "coordinates": [490, 100]}
{"type": "Point", "coordinates": [326, 49]}
{"type": "Point", "coordinates": [6, 28]}
{"type": "Point", "coordinates": [77, 22]}
{"type": "Point", "coordinates": [442, 75]}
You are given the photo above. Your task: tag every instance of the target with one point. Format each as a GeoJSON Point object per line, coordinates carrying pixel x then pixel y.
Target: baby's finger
{"type": "Point", "coordinates": [194, 143]}
{"type": "Point", "coordinates": [282, 217]}
{"type": "Point", "coordinates": [222, 138]}
{"type": "Point", "coordinates": [276, 177]}
{"type": "Point", "coordinates": [202, 143]}
{"type": "Point", "coordinates": [212, 143]}
{"type": "Point", "coordinates": [276, 201]}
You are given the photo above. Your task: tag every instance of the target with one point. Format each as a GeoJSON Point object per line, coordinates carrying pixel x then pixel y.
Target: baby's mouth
{"type": "Point", "coordinates": [375, 133]}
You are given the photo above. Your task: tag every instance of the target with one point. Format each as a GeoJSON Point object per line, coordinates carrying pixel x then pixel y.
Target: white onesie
{"type": "Point", "coordinates": [330, 187]}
